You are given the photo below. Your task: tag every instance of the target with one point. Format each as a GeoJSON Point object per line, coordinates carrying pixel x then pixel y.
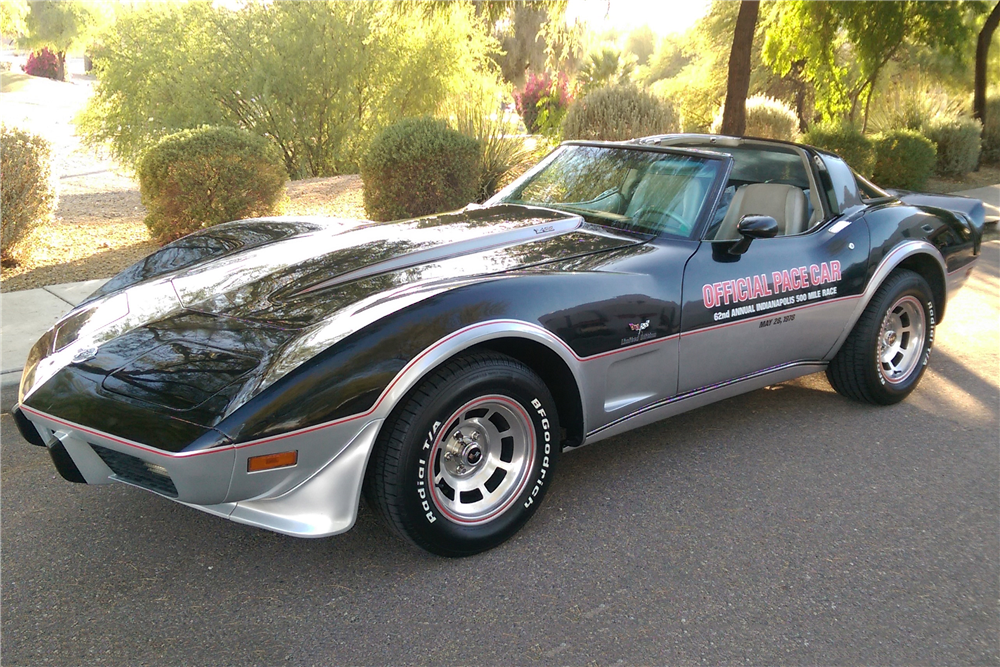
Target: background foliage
{"type": "Point", "coordinates": [419, 166]}
{"type": "Point", "coordinates": [318, 78]}
{"type": "Point", "coordinates": [903, 159]}
{"type": "Point", "coordinates": [617, 113]}
{"type": "Point", "coordinates": [209, 175]}
{"type": "Point", "coordinates": [27, 188]}
{"type": "Point", "coordinates": [766, 118]}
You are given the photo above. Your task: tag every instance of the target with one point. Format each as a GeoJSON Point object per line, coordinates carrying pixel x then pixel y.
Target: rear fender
{"type": "Point", "coordinates": [932, 267]}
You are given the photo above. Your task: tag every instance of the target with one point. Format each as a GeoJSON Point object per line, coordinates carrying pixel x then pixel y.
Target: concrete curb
{"type": "Point", "coordinates": [27, 314]}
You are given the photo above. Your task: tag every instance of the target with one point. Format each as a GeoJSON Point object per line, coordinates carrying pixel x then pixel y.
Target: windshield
{"type": "Point", "coordinates": [627, 188]}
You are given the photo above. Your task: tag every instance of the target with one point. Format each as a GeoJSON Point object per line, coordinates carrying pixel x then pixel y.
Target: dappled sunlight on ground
{"type": "Point", "coordinates": [964, 371]}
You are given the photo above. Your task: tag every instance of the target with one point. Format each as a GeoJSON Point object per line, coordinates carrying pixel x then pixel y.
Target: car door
{"type": "Point", "coordinates": [784, 301]}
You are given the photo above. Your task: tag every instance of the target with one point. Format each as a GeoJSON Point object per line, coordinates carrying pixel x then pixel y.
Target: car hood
{"type": "Point", "coordinates": [209, 321]}
{"type": "Point", "coordinates": [293, 273]}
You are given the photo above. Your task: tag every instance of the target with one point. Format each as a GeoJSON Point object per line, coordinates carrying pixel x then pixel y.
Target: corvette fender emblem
{"type": "Point", "coordinates": [638, 326]}
{"type": "Point", "coordinates": [85, 354]}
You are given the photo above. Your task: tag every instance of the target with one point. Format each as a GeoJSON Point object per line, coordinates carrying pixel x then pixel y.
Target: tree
{"type": "Point", "coordinates": [846, 45]}
{"type": "Point", "coordinates": [699, 87]}
{"type": "Point", "coordinates": [61, 26]}
{"type": "Point", "coordinates": [606, 66]}
{"type": "Point", "coordinates": [319, 79]}
{"type": "Point", "coordinates": [738, 84]}
{"type": "Point", "coordinates": [982, 52]}
{"type": "Point", "coordinates": [641, 42]}
{"type": "Point", "coordinates": [12, 13]}
{"type": "Point", "coordinates": [532, 34]}
{"type": "Point", "coordinates": [667, 59]}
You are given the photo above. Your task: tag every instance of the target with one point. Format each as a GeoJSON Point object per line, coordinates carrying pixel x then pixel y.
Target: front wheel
{"type": "Point", "coordinates": [886, 353]}
{"type": "Point", "coordinates": [466, 460]}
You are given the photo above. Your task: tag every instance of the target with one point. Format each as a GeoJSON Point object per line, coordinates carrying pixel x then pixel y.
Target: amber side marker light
{"type": "Point", "coordinates": [271, 461]}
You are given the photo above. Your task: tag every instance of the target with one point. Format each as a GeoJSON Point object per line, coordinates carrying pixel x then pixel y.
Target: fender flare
{"type": "Point", "coordinates": [475, 334]}
{"type": "Point", "coordinates": [889, 263]}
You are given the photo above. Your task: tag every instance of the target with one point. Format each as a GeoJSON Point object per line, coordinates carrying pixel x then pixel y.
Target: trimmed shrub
{"type": "Point", "coordinates": [419, 166]}
{"type": "Point", "coordinates": [991, 132]}
{"type": "Point", "coordinates": [846, 141]}
{"type": "Point", "coordinates": [27, 189]}
{"type": "Point", "coordinates": [617, 113]}
{"type": "Point", "coordinates": [42, 63]}
{"type": "Point", "coordinates": [767, 118]}
{"type": "Point", "coordinates": [202, 177]}
{"type": "Point", "coordinates": [543, 102]}
{"type": "Point", "coordinates": [903, 159]}
{"type": "Point", "coordinates": [958, 142]}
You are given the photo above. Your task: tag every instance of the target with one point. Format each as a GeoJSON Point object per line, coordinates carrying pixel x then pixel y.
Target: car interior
{"type": "Point", "coordinates": [766, 179]}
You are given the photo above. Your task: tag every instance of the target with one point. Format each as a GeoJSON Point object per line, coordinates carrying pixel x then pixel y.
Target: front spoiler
{"type": "Point", "coordinates": [317, 497]}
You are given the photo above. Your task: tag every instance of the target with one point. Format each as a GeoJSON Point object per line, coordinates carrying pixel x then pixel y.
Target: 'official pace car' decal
{"type": "Point", "coordinates": [765, 293]}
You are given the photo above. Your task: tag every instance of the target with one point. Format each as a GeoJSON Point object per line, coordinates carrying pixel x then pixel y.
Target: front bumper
{"type": "Point", "coordinates": [317, 496]}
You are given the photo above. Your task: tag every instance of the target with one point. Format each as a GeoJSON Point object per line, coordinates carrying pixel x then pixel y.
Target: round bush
{"type": "Point", "coordinates": [846, 141]}
{"type": "Point", "coordinates": [42, 63]}
{"type": "Point", "coordinates": [617, 113]}
{"type": "Point", "coordinates": [903, 159]}
{"type": "Point", "coordinates": [991, 132]}
{"type": "Point", "coordinates": [419, 166]}
{"type": "Point", "coordinates": [958, 142]}
{"type": "Point", "coordinates": [27, 191]}
{"type": "Point", "coordinates": [202, 177]}
{"type": "Point", "coordinates": [767, 118]}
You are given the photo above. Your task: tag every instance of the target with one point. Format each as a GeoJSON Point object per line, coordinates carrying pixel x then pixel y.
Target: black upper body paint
{"type": "Point", "coordinates": [274, 325]}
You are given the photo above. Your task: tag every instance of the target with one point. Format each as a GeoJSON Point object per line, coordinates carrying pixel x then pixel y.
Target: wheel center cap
{"type": "Point", "coordinates": [463, 452]}
{"type": "Point", "coordinates": [472, 454]}
{"type": "Point", "coordinates": [890, 338]}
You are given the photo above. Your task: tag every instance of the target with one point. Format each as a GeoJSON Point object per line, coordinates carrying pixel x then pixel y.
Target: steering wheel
{"type": "Point", "coordinates": [650, 214]}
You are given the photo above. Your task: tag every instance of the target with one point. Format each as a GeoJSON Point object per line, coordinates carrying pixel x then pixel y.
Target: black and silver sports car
{"type": "Point", "coordinates": [270, 370]}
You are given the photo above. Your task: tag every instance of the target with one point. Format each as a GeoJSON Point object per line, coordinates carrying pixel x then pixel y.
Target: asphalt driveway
{"type": "Point", "coordinates": [785, 526]}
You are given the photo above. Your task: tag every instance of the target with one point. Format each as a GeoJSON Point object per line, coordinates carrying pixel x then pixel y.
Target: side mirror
{"type": "Point", "coordinates": [753, 227]}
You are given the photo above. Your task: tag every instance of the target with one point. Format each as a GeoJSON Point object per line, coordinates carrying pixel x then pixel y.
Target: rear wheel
{"type": "Point", "coordinates": [465, 462]}
{"type": "Point", "coordinates": [886, 353]}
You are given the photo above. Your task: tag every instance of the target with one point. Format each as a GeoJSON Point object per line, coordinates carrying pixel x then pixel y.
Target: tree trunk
{"type": "Point", "coordinates": [800, 93]}
{"type": "Point", "coordinates": [734, 114]}
{"type": "Point", "coordinates": [61, 66]}
{"type": "Point", "coordinates": [982, 51]}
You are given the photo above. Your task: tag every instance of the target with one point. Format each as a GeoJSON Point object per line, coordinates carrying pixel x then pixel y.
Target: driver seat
{"type": "Point", "coordinates": [787, 204]}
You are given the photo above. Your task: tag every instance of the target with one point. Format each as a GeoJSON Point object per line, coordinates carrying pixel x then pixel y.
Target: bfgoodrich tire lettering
{"type": "Point", "coordinates": [886, 353]}
{"type": "Point", "coordinates": [467, 459]}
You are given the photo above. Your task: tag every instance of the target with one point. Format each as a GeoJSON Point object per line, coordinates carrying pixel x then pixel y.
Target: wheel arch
{"type": "Point", "coordinates": [556, 375]}
{"type": "Point", "coordinates": [530, 344]}
{"type": "Point", "coordinates": [930, 270]}
{"type": "Point", "coordinates": [915, 255]}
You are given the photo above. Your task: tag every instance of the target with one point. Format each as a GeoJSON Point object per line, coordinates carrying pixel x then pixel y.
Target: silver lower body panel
{"type": "Point", "coordinates": [704, 396]}
{"type": "Point", "coordinates": [316, 497]}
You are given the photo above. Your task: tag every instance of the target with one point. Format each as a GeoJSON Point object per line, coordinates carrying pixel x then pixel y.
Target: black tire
{"type": "Point", "coordinates": [858, 370]}
{"type": "Point", "coordinates": [418, 444]}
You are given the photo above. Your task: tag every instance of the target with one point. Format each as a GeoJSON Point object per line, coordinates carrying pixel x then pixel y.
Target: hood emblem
{"type": "Point", "coordinates": [638, 326]}
{"type": "Point", "coordinates": [85, 354]}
